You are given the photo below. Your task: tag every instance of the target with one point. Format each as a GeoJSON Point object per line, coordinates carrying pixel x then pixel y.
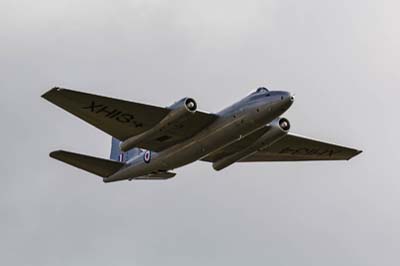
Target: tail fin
{"type": "Point", "coordinates": [97, 166]}
{"type": "Point", "coordinates": [120, 156]}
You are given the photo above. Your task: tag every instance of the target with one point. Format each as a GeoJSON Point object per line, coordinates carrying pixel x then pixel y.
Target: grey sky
{"type": "Point", "coordinates": [342, 60]}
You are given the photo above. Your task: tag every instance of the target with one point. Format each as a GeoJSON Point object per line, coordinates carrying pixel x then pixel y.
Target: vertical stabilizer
{"type": "Point", "coordinates": [120, 156]}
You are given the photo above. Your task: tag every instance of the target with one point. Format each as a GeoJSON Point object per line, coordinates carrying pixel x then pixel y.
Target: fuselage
{"type": "Point", "coordinates": [233, 123]}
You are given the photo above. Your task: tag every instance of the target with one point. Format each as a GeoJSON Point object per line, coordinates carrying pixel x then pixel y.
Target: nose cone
{"type": "Point", "coordinates": [286, 97]}
{"type": "Point", "coordinates": [284, 100]}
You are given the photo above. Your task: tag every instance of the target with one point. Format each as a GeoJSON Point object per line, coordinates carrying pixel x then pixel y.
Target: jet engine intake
{"type": "Point", "coordinates": [180, 110]}
{"type": "Point", "coordinates": [190, 105]}
{"type": "Point", "coordinates": [284, 124]}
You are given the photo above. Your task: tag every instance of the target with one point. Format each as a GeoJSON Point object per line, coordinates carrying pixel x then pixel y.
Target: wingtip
{"type": "Point", "coordinates": [54, 154]}
{"type": "Point", "coordinates": [50, 92]}
{"type": "Point", "coordinates": [356, 153]}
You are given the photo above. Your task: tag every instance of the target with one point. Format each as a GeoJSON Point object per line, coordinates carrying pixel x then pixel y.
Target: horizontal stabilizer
{"type": "Point", "coordinates": [97, 166]}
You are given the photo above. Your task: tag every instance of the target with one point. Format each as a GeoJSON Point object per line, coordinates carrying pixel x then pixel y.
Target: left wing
{"type": "Point", "coordinates": [123, 119]}
{"type": "Point", "coordinates": [290, 148]}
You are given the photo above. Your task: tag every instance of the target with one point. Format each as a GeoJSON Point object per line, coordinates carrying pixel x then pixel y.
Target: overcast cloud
{"type": "Point", "coordinates": [342, 60]}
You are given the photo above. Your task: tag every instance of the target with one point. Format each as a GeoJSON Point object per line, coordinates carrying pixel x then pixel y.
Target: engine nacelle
{"type": "Point", "coordinates": [185, 104]}
{"type": "Point", "coordinates": [275, 131]}
{"type": "Point", "coordinates": [179, 111]}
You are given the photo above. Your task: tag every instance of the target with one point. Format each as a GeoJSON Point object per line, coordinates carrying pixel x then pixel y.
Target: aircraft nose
{"type": "Point", "coordinates": [286, 96]}
{"type": "Point", "coordinates": [286, 99]}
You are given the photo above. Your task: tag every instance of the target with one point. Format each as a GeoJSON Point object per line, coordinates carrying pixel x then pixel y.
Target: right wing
{"type": "Point", "coordinates": [122, 119]}
{"type": "Point", "coordinates": [298, 148]}
{"type": "Point", "coordinates": [289, 148]}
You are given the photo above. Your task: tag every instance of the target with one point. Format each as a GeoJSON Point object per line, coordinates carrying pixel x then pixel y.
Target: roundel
{"type": "Point", "coordinates": [147, 156]}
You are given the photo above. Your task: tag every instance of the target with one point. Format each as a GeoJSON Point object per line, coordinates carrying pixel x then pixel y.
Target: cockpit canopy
{"type": "Point", "coordinates": [262, 89]}
{"type": "Point", "coordinates": [259, 92]}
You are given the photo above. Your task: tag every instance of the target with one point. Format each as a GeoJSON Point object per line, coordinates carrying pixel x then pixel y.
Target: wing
{"type": "Point", "coordinates": [290, 148]}
{"type": "Point", "coordinates": [123, 119]}
{"type": "Point", "coordinates": [298, 148]}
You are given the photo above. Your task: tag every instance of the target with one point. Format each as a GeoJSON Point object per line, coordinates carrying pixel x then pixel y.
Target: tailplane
{"type": "Point", "coordinates": [97, 166]}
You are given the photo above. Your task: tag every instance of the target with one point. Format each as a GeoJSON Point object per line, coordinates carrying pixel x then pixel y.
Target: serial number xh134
{"type": "Point", "coordinates": [149, 142]}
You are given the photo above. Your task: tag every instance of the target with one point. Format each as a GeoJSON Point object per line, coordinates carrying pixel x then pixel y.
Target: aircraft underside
{"type": "Point", "coordinates": [149, 141]}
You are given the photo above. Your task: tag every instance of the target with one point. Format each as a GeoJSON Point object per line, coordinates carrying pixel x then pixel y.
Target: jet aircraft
{"type": "Point", "coordinates": [149, 142]}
